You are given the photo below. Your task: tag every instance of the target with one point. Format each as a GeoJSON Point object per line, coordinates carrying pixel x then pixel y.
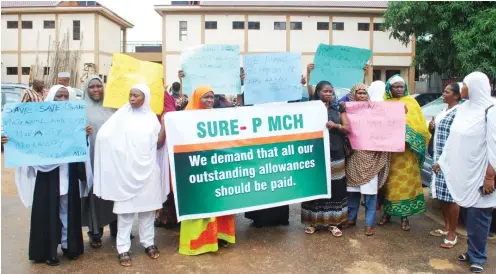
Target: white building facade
{"type": "Point", "coordinates": [29, 29]}
{"type": "Point", "coordinates": [298, 26]}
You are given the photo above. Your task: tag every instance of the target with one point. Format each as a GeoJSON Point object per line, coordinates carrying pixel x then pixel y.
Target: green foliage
{"type": "Point", "coordinates": [454, 37]}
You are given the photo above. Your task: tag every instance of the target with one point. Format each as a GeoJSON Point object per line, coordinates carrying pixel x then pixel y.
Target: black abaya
{"type": "Point", "coordinates": [270, 216]}
{"type": "Point", "coordinates": [45, 235]}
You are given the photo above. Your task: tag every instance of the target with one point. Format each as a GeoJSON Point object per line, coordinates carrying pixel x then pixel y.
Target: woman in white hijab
{"type": "Point", "coordinates": [468, 162]}
{"type": "Point", "coordinates": [127, 171]}
{"type": "Point", "coordinates": [54, 192]}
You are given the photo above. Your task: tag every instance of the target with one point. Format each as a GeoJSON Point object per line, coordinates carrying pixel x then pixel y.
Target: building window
{"type": "Point", "coordinates": [322, 25]}
{"type": "Point", "coordinates": [279, 25]}
{"type": "Point", "coordinates": [26, 70]}
{"type": "Point", "coordinates": [390, 73]}
{"type": "Point", "coordinates": [210, 24]}
{"type": "Point", "coordinates": [296, 25]}
{"type": "Point", "coordinates": [27, 24]}
{"type": "Point", "coordinates": [376, 75]}
{"type": "Point", "coordinates": [238, 25]}
{"type": "Point", "coordinates": [377, 26]}
{"type": "Point", "coordinates": [76, 30]}
{"type": "Point", "coordinates": [363, 26]}
{"type": "Point", "coordinates": [11, 70]}
{"type": "Point", "coordinates": [46, 70]}
{"type": "Point", "coordinates": [12, 24]}
{"type": "Point", "coordinates": [183, 30]}
{"type": "Point", "coordinates": [253, 25]}
{"type": "Point", "coordinates": [49, 24]}
{"type": "Point", "coordinates": [86, 3]}
{"type": "Point", "coordinates": [338, 26]}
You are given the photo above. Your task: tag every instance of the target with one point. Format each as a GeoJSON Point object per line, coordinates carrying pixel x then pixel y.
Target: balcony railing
{"type": "Point", "coordinates": [142, 46]}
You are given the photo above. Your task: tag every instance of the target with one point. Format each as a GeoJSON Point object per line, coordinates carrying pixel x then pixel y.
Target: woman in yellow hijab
{"type": "Point", "coordinates": [404, 196]}
{"type": "Point", "coordinates": [205, 235]}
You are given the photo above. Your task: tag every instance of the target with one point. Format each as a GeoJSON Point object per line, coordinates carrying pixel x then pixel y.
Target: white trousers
{"type": "Point", "coordinates": [63, 207]}
{"type": "Point", "coordinates": [146, 230]}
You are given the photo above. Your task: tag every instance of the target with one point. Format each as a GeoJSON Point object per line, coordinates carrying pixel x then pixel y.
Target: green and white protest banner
{"type": "Point", "coordinates": [233, 160]}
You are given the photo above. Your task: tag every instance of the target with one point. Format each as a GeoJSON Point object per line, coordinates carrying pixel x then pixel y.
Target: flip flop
{"type": "Point", "coordinates": [449, 244]}
{"type": "Point", "coordinates": [438, 233]}
{"type": "Point", "coordinates": [335, 231]}
{"type": "Point", "coordinates": [310, 230]}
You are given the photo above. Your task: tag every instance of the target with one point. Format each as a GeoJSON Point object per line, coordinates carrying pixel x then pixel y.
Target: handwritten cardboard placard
{"type": "Point", "coordinates": [44, 133]}
{"type": "Point", "coordinates": [127, 72]}
{"type": "Point", "coordinates": [213, 65]}
{"type": "Point", "coordinates": [272, 77]}
{"type": "Point", "coordinates": [340, 65]}
{"type": "Point", "coordinates": [377, 126]}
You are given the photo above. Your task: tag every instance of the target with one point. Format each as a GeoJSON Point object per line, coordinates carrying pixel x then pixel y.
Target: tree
{"type": "Point", "coordinates": [453, 38]}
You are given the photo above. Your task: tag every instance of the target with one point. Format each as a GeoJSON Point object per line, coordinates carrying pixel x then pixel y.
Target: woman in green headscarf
{"type": "Point", "coordinates": [404, 196]}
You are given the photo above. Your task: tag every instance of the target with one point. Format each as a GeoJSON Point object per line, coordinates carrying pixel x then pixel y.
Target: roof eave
{"type": "Point", "coordinates": [165, 9]}
{"type": "Point", "coordinates": [101, 10]}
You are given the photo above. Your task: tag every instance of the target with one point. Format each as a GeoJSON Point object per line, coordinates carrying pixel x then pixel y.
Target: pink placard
{"type": "Point", "coordinates": [377, 126]}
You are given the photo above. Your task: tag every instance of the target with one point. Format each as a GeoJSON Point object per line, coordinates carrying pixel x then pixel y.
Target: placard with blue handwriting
{"type": "Point", "coordinates": [272, 77]}
{"type": "Point", "coordinates": [213, 65]}
{"type": "Point", "coordinates": [44, 133]}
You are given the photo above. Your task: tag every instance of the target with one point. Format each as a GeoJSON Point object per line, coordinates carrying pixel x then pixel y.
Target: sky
{"type": "Point", "coordinates": [141, 13]}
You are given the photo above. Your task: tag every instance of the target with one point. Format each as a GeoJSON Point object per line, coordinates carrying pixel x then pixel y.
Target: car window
{"type": "Point", "coordinates": [433, 108]}
{"type": "Point", "coordinates": [11, 97]}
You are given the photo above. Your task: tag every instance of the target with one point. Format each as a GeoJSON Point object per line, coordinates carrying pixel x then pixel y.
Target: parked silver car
{"type": "Point", "coordinates": [431, 110]}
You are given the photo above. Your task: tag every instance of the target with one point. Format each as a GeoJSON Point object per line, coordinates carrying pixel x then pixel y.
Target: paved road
{"type": "Point", "coordinates": [264, 250]}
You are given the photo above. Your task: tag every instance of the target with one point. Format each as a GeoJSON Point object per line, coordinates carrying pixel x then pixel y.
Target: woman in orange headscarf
{"type": "Point", "coordinates": [205, 235]}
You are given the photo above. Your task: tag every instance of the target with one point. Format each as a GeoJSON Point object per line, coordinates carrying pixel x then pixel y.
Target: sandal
{"type": "Point", "coordinates": [310, 230]}
{"type": "Point", "coordinates": [476, 268]}
{"type": "Point", "coordinates": [348, 224]}
{"type": "Point", "coordinates": [449, 244]}
{"type": "Point", "coordinates": [152, 251]}
{"type": "Point", "coordinates": [438, 233]}
{"type": "Point", "coordinates": [125, 259]}
{"type": "Point", "coordinates": [405, 224]}
{"type": "Point", "coordinates": [463, 257]}
{"type": "Point", "coordinates": [335, 231]}
{"type": "Point", "coordinates": [385, 219]}
{"type": "Point", "coordinates": [95, 243]}
{"type": "Point", "coordinates": [369, 231]}
{"type": "Point", "coordinates": [223, 243]}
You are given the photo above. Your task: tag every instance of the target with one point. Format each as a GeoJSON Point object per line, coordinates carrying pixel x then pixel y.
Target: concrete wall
{"type": "Point", "coordinates": [9, 36]}
{"type": "Point", "coordinates": [9, 60]}
{"type": "Point", "coordinates": [38, 37]}
{"type": "Point", "coordinates": [193, 38]}
{"type": "Point", "coordinates": [350, 36]}
{"type": "Point", "coordinates": [109, 35]}
{"type": "Point", "coordinates": [225, 34]}
{"type": "Point", "coordinates": [266, 39]}
{"type": "Point", "coordinates": [87, 24]}
{"type": "Point", "coordinates": [309, 38]}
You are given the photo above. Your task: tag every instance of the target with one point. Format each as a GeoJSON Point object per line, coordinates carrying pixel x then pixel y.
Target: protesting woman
{"type": "Point", "coordinates": [205, 235]}
{"type": "Point", "coordinates": [53, 191]}
{"type": "Point", "coordinates": [440, 127]}
{"type": "Point", "coordinates": [166, 216]}
{"type": "Point", "coordinates": [468, 162]}
{"type": "Point", "coordinates": [404, 196]}
{"type": "Point", "coordinates": [97, 212]}
{"type": "Point", "coordinates": [127, 172]}
{"type": "Point", "coordinates": [366, 171]}
{"type": "Point", "coordinates": [330, 212]}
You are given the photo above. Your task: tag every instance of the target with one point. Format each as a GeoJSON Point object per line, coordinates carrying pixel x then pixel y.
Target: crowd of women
{"type": "Point", "coordinates": [127, 172]}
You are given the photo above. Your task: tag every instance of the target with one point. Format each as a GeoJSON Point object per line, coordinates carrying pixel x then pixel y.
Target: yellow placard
{"type": "Point", "coordinates": [126, 72]}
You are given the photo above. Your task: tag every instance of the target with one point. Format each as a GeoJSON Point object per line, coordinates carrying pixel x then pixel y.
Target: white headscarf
{"type": "Point", "coordinates": [376, 91]}
{"type": "Point", "coordinates": [53, 91]}
{"type": "Point", "coordinates": [470, 146]}
{"type": "Point", "coordinates": [126, 151]}
{"type": "Point", "coordinates": [25, 177]}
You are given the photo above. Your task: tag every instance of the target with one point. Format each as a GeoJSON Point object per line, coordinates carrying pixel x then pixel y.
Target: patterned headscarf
{"type": "Point", "coordinates": [356, 88]}
{"type": "Point", "coordinates": [395, 79]}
